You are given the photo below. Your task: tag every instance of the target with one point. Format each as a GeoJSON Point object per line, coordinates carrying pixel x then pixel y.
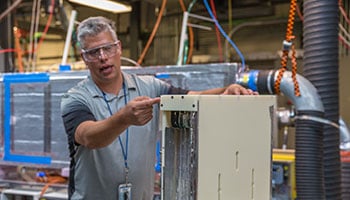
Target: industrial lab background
{"type": "Point", "coordinates": [258, 27]}
{"type": "Point", "coordinates": [151, 35]}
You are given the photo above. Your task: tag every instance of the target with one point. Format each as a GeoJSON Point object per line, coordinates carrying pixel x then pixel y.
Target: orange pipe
{"type": "Point", "coordinates": [150, 39]}
{"type": "Point", "coordinates": [18, 49]}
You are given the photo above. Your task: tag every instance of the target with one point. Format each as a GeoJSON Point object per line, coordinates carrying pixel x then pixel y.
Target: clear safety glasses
{"type": "Point", "coordinates": [94, 54]}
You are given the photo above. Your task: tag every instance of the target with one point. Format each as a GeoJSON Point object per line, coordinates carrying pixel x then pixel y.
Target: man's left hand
{"type": "Point", "coordinates": [236, 89]}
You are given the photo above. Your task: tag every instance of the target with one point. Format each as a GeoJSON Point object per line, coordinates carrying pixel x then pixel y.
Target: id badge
{"type": "Point", "coordinates": [124, 191]}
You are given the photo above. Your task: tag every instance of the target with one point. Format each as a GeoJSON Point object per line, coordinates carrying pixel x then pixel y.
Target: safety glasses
{"type": "Point", "coordinates": [94, 54]}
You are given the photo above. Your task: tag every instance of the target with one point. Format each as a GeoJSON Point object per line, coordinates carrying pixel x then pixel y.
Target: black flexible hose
{"type": "Point", "coordinates": [321, 18]}
{"type": "Point", "coordinates": [345, 178]}
{"type": "Point", "coordinates": [308, 157]}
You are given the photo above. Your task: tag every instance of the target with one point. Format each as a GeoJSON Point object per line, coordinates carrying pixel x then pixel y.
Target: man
{"type": "Point", "coordinates": [111, 120]}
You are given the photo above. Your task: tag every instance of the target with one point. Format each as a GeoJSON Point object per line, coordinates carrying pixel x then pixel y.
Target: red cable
{"type": "Point", "coordinates": [343, 12]}
{"type": "Point", "coordinates": [342, 40]}
{"type": "Point", "coordinates": [51, 10]}
{"type": "Point", "coordinates": [43, 35]}
{"type": "Point", "coordinates": [300, 15]}
{"type": "Point", "coordinates": [7, 50]}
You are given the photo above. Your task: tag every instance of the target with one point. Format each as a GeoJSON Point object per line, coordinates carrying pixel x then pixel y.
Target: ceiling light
{"type": "Point", "coordinates": [106, 5]}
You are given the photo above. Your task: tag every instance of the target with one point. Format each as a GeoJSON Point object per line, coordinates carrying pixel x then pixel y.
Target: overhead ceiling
{"type": "Point", "coordinates": [24, 12]}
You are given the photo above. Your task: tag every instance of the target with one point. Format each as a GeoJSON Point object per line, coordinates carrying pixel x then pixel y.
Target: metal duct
{"type": "Point", "coordinates": [309, 113]}
{"type": "Point", "coordinates": [320, 31]}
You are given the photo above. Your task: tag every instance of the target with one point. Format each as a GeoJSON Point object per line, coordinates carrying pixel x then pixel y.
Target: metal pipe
{"type": "Point", "coordinates": [182, 38]}
{"type": "Point", "coordinates": [263, 82]}
{"type": "Point", "coordinates": [69, 37]}
{"type": "Point", "coordinates": [10, 9]}
{"type": "Point", "coordinates": [309, 135]}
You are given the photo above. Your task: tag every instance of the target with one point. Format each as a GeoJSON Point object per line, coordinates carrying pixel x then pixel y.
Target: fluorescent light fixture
{"type": "Point", "coordinates": [110, 6]}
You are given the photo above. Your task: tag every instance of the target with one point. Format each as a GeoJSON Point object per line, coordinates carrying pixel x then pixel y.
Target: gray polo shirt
{"type": "Point", "coordinates": [96, 174]}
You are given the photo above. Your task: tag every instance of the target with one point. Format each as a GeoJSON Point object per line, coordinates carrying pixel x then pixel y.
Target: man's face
{"type": "Point", "coordinates": [102, 56]}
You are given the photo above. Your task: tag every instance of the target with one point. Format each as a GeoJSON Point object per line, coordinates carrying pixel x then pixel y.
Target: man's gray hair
{"type": "Point", "coordinates": [93, 26]}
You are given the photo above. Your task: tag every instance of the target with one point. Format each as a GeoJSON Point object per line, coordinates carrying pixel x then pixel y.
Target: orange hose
{"type": "Point", "coordinates": [190, 50]}
{"type": "Point", "coordinates": [182, 5]}
{"type": "Point", "coordinates": [18, 49]}
{"type": "Point", "coordinates": [150, 39]}
{"type": "Point", "coordinates": [50, 181]}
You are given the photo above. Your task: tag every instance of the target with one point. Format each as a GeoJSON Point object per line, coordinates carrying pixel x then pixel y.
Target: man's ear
{"type": "Point", "coordinates": [120, 47]}
{"type": "Point", "coordinates": [119, 44]}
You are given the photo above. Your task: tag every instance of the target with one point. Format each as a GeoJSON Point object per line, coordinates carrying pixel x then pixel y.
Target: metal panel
{"type": "Point", "coordinates": [225, 152]}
